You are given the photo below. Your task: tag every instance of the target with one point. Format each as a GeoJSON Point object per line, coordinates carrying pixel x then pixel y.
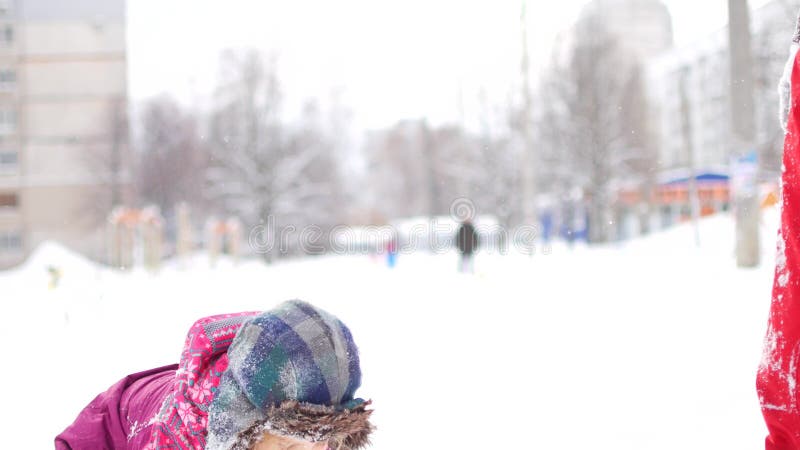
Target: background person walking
{"type": "Point", "coordinates": [467, 242]}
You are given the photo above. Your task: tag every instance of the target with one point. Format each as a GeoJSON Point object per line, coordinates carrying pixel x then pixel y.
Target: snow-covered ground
{"type": "Point", "coordinates": [651, 345]}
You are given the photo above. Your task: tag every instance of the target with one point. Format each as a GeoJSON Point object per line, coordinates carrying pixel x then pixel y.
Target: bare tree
{"type": "Point", "coordinates": [107, 158]}
{"type": "Point", "coordinates": [498, 176]}
{"type": "Point", "coordinates": [398, 170]}
{"type": "Point", "coordinates": [642, 164]}
{"type": "Point", "coordinates": [496, 186]}
{"type": "Point", "coordinates": [172, 159]}
{"type": "Point", "coordinates": [455, 168]}
{"type": "Point", "coordinates": [263, 169]}
{"type": "Point", "coordinates": [592, 103]}
{"type": "Point", "coordinates": [416, 169]}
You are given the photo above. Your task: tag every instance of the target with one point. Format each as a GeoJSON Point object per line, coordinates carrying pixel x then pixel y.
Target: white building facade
{"type": "Point", "coordinates": [689, 89]}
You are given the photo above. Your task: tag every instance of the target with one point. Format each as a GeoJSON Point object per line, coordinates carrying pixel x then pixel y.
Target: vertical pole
{"type": "Point", "coordinates": [528, 158]}
{"type": "Point", "coordinates": [429, 152]}
{"type": "Point", "coordinates": [743, 130]}
{"type": "Point", "coordinates": [115, 162]}
{"type": "Point", "coordinates": [686, 119]}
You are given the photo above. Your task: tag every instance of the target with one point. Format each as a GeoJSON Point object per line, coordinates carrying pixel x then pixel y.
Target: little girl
{"type": "Point", "coordinates": [280, 380]}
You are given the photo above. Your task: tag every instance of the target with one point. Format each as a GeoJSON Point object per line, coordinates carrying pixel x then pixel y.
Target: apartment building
{"type": "Point", "coordinates": [63, 130]}
{"type": "Point", "coordinates": [690, 93]}
{"type": "Point", "coordinates": [644, 27]}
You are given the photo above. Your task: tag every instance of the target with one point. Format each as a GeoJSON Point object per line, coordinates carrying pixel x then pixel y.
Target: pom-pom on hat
{"type": "Point", "coordinates": [293, 371]}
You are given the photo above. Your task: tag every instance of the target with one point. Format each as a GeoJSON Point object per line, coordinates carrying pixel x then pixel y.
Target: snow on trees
{"type": "Point", "coordinates": [265, 169]}
{"type": "Point", "coordinates": [594, 122]}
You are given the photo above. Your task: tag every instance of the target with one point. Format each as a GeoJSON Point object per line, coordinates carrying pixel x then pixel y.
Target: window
{"type": "Point", "coordinates": [9, 200]}
{"type": "Point", "coordinates": [10, 241]}
{"type": "Point", "coordinates": [8, 160]}
{"type": "Point", "coordinates": [7, 35]}
{"type": "Point", "coordinates": [8, 120]}
{"type": "Point", "coordinates": [8, 78]}
{"type": "Point", "coordinates": [5, 7]}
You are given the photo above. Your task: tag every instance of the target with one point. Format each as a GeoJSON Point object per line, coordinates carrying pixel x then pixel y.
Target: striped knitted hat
{"type": "Point", "coordinates": [292, 371]}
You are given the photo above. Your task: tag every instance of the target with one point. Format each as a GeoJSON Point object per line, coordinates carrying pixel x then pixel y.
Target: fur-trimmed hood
{"type": "Point", "coordinates": [292, 371]}
{"type": "Point", "coordinates": [343, 429]}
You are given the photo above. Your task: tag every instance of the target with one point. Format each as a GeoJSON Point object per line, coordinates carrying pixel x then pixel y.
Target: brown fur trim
{"type": "Point", "coordinates": [347, 429]}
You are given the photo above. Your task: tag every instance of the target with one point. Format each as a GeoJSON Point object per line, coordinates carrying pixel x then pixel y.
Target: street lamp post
{"type": "Point", "coordinates": [528, 159]}
{"type": "Point", "coordinates": [743, 133]}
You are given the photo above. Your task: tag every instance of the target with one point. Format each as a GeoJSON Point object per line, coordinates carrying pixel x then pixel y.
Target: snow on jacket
{"type": "Point", "coordinates": [160, 408]}
{"type": "Point", "coordinates": [119, 417]}
{"type": "Point", "coordinates": [778, 371]}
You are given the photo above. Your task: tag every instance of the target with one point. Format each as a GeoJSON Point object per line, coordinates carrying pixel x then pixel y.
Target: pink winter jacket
{"type": "Point", "coordinates": [160, 408]}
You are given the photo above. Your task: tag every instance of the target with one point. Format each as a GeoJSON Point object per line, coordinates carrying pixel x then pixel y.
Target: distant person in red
{"type": "Point", "coordinates": [391, 252]}
{"type": "Point", "coordinates": [778, 371]}
{"type": "Point", "coordinates": [467, 243]}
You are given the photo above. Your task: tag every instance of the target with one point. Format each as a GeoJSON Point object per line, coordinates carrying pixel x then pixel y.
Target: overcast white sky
{"type": "Point", "coordinates": [390, 59]}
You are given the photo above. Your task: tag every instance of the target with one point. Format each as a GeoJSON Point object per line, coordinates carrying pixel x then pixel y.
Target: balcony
{"type": "Point", "coordinates": [9, 203]}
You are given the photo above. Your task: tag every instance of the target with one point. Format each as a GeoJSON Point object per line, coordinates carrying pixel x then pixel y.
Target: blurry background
{"type": "Point", "coordinates": [584, 119]}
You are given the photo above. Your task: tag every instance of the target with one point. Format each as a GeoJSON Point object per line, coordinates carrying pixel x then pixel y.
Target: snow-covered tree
{"type": "Point", "coordinates": [592, 120]}
{"type": "Point", "coordinates": [419, 170]}
{"type": "Point", "coordinates": [264, 169]}
{"type": "Point", "coordinates": [398, 179]}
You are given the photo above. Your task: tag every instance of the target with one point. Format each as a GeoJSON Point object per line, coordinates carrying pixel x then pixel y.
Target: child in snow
{"type": "Point", "coordinates": [283, 379]}
{"type": "Point", "coordinates": [778, 371]}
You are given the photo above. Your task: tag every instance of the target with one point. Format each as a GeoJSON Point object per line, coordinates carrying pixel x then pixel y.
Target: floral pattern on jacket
{"type": "Point", "coordinates": [182, 421]}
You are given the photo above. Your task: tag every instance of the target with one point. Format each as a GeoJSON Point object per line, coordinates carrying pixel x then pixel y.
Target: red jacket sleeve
{"type": "Point", "coordinates": [778, 371]}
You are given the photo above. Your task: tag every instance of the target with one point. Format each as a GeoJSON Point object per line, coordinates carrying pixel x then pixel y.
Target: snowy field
{"type": "Point", "coordinates": [649, 346]}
